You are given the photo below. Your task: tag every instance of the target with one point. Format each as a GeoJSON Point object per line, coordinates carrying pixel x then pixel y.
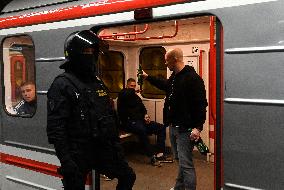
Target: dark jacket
{"type": "Point", "coordinates": [74, 116]}
{"type": "Point", "coordinates": [185, 103]}
{"type": "Point", "coordinates": [25, 108]}
{"type": "Point", "coordinates": [130, 106]}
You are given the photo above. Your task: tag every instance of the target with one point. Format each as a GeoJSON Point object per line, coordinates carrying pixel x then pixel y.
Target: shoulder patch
{"type": "Point", "coordinates": [77, 94]}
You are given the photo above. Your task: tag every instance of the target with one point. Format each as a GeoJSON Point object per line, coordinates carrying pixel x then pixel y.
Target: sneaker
{"type": "Point", "coordinates": [106, 178]}
{"type": "Point", "coordinates": [164, 159]}
{"type": "Point", "coordinates": [172, 188]}
{"type": "Point", "coordinates": [155, 162]}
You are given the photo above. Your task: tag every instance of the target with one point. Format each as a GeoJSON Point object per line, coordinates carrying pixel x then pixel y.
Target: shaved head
{"type": "Point", "coordinates": [174, 59]}
{"type": "Point", "coordinates": [176, 54]}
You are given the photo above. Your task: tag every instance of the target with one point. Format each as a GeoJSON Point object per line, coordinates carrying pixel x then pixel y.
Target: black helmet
{"type": "Point", "coordinates": [76, 42]}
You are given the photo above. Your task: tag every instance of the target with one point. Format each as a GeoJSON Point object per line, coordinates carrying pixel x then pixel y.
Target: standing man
{"type": "Point", "coordinates": [81, 123]}
{"type": "Point", "coordinates": [184, 111]}
{"type": "Point", "coordinates": [27, 106]}
{"type": "Point", "coordinates": [133, 116]}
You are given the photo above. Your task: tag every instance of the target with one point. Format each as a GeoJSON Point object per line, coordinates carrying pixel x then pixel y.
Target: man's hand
{"type": "Point", "coordinates": [138, 91]}
{"type": "Point", "coordinates": [144, 75]}
{"type": "Point", "coordinates": [195, 134]}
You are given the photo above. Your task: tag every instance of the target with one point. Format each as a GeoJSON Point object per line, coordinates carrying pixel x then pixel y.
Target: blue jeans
{"type": "Point", "coordinates": [139, 128]}
{"type": "Point", "coordinates": [182, 151]}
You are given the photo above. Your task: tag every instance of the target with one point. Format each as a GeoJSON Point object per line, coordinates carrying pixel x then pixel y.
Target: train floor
{"type": "Point", "coordinates": [161, 178]}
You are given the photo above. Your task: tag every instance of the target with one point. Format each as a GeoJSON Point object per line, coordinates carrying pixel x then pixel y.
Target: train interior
{"type": "Point", "coordinates": [145, 45]}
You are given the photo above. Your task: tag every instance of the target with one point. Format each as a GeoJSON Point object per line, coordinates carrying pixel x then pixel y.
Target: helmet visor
{"type": "Point", "coordinates": [88, 39]}
{"type": "Point", "coordinates": [79, 42]}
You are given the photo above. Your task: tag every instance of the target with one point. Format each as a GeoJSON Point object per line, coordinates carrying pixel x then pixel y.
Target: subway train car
{"type": "Point", "coordinates": [236, 46]}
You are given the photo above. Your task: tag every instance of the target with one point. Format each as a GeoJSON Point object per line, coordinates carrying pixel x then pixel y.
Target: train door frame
{"type": "Point", "coordinates": [216, 94]}
{"type": "Point", "coordinates": [1, 121]}
{"type": "Point", "coordinates": [218, 163]}
{"type": "Point", "coordinates": [217, 43]}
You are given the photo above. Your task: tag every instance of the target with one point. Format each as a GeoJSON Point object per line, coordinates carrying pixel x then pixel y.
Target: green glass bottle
{"type": "Point", "coordinates": [139, 77]}
{"type": "Point", "coordinates": [200, 145]}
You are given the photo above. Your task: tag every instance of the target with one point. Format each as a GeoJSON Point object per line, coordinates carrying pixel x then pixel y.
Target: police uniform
{"type": "Point", "coordinates": [82, 126]}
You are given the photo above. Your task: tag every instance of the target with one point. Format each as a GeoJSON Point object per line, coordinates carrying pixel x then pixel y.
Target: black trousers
{"type": "Point", "coordinates": [106, 158]}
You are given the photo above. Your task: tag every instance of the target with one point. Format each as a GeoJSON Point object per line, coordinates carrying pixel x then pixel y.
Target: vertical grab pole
{"type": "Point", "coordinates": [200, 65]}
{"type": "Point", "coordinates": [95, 180]}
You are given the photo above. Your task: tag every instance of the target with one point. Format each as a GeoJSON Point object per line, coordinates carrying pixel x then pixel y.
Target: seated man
{"type": "Point", "coordinates": [27, 106]}
{"type": "Point", "coordinates": [133, 116]}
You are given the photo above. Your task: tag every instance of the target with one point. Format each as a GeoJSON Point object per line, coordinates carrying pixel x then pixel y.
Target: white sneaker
{"type": "Point", "coordinates": [172, 188]}
{"type": "Point", "coordinates": [106, 178]}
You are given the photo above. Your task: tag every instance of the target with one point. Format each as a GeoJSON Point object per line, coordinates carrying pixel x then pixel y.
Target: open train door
{"type": "Point", "coordinates": [200, 38]}
{"type": "Point", "coordinates": [253, 119]}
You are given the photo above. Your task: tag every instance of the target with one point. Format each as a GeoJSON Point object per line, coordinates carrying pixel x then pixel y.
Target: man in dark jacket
{"type": "Point", "coordinates": [81, 123]}
{"type": "Point", "coordinates": [184, 111]}
{"type": "Point", "coordinates": [27, 106]}
{"type": "Point", "coordinates": [134, 119]}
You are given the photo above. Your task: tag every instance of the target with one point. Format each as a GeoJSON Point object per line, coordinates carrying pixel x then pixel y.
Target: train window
{"type": "Point", "coordinates": [111, 71]}
{"type": "Point", "coordinates": [152, 60]}
{"type": "Point", "coordinates": [19, 75]}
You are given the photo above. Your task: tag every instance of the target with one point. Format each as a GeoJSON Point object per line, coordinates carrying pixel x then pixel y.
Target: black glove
{"type": "Point", "coordinates": [72, 176]}
{"type": "Point", "coordinates": [69, 167]}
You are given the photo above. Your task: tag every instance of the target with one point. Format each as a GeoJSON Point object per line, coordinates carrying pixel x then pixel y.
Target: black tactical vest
{"type": "Point", "coordinates": [92, 114]}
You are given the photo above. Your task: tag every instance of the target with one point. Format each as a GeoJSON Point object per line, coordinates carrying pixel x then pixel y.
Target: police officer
{"type": "Point", "coordinates": [81, 123]}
